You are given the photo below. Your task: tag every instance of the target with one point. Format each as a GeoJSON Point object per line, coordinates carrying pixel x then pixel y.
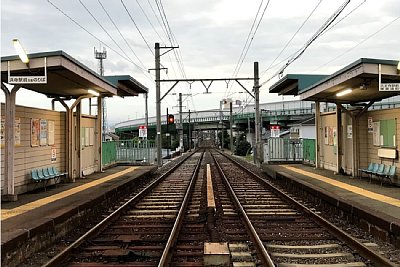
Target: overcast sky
{"type": "Point", "coordinates": [211, 35]}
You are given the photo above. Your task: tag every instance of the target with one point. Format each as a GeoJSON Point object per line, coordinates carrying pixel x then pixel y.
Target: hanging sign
{"type": "Point", "coordinates": [27, 79]}
{"type": "Point", "coordinates": [388, 87]}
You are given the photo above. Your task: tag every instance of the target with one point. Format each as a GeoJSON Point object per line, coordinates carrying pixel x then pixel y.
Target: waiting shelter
{"type": "Point", "coordinates": [354, 135]}
{"type": "Point", "coordinates": [69, 140]}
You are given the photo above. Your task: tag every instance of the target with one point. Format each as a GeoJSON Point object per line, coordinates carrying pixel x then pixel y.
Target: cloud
{"type": "Point", "coordinates": [211, 35]}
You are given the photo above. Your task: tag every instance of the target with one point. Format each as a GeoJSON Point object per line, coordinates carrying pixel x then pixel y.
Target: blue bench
{"type": "Point", "coordinates": [44, 175]}
{"type": "Point", "coordinates": [380, 170]}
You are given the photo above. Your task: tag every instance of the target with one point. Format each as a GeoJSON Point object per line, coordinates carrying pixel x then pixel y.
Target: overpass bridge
{"type": "Point", "coordinates": [277, 113]}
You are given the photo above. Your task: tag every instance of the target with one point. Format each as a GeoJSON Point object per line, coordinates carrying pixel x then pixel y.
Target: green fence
{"type": "Point", "coordinates": [109, 153]}
{"type": "Point", "coordinates": [128, 151]}
{"type": "Point", "coordinates": [309, 150]}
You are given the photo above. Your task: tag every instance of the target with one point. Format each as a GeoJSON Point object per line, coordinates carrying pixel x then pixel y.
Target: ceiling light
{"type": "Point", "coordinates": [21, 51]}
{"type": "Point", "coordinates": [344, 92]}
{"type": "Point", "coordinates": [93, 92]}
{"type": "Point", "coordinates": [398, 65]}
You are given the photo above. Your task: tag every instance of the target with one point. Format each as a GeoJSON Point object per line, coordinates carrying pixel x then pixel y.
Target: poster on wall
{"type": "Point", "coordinates": [326, 135]}
{"type": "Point", "coordinates": [50, 133]}
{"type": "Point", "coordinates": [376, 135]}
{"type": "Point", "coordinates": [43, 132]}
{"type": "Point", "coordinates": [53, 154]}
{"type": "Point", "coordinates": [330, 136]}
{"type": "Point", "coordinates": [349, 131]}
{"type": "Point", "coordinates": [87, 134]}
{"type": "Point", "coordinates": [91, 136]}
{"type": "Point", "coordinates": [370, 125]}
{"type": "Point", "coordinates": [35, 132]}
{"type": "Point", "coordinates": [334, 136]}
{"type": "Point", "coordinates": [2, 128]}
{"type": "Point", "coordinates": [17, 132]}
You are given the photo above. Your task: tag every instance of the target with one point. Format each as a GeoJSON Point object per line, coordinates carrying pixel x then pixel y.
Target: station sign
{"type": "Point", "coordinates": [143, 131]}
{"type": "Point", "coordinates": [389, 87]}
{"type": "Point", "coordinates": [275, 130]}
{"type": "Point", "coordinates": [28, 79]}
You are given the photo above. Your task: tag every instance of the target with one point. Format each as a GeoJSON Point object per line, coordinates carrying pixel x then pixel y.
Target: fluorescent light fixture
{"type": "Point", "coordinates": [344, 92]}
{"type": "Point", "coordinates": [398, 65]}
{"type": "Point", "coordinates": [93, 92]}
{"type": "Point", "coordinates": [21, 51]}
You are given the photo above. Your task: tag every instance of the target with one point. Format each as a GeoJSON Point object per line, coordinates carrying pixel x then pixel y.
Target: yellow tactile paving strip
{"type": "Point", "coordinates": [354, 189]}
{"type": "Point", "coordinates": [5, 214]}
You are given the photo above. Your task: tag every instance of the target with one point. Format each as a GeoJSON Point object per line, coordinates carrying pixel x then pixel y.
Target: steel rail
{"type": "Point", "coordinates": [61, 257]}
{"type": "Point", "coordinates": [353, 243]}
{"type": "Point", "coordinates": [167, 253]}
{"type": "Point", "coordinates": [265, 257]}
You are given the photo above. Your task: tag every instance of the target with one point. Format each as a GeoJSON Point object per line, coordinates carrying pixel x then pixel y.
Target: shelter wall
{"type": "Point", "coordinates": [367, 150]}
{"type": "Point", "coordinates": [28, 157]}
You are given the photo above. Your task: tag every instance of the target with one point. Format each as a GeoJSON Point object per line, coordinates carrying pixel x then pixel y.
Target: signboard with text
{"type": "Point", "coordinates": [275, 130]}
{"type": "Point", "coordinates": [143, 131]}
{"type": "Point", "coordinates": [389, 87]}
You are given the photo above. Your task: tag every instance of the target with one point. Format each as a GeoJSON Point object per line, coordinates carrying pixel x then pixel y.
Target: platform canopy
{"type": "Point", "coordinates": [66, 76]}
{"type": "Point", "coordinates": [293, 84]}
{"type": "Point", "coordinates": [361, 77]}
{"type": "Point", "coordinates": [127, 86]}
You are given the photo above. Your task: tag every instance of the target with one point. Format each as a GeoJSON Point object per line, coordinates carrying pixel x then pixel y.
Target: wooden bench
{"type": "Point", "coordinates": [44, 175]}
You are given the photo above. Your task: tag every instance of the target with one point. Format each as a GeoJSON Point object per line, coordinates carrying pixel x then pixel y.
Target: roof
{"type": "Point", "coordinates": [362, 76]}
{"type": "Point", "coordinates": [127, 86]}
{"type": "Point", "coordinates": [66, 76]}
{"type": "Point", "coordinates": [293, 84]}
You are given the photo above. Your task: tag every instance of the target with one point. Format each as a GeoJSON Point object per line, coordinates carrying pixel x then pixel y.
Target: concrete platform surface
{"type": "Point", "coordinates": [37, 212]}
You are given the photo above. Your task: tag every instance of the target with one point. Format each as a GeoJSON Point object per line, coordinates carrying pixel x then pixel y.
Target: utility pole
{"type": "Point", "coordinates": [257, 117]}
{"type": "Point", "coordinates": [231, 124]}
{"type": "Point", "coordinates": [158, 104]}
{"type": "Point", "coordinates": [180, 124]}
{"type": "Point", "coordinates": [167, 135]}
{"type": "Point", "coordinates": [190, 135]}
{"type": "Point", "coordinates": [146, 96]}
{"type": "Point", "coordinates": [101, 56]}
{"type": "Point", "coordinates": [158, 98]}
{"type": "Point", "coordinates": [221, 120]}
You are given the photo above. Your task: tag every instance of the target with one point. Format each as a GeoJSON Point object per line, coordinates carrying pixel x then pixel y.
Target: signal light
{"type": "Point", "coordinates": [171, 119]}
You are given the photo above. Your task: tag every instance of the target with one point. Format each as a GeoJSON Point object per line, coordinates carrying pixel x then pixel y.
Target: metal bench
{"type": "Point", "coordinates": [44, 175]}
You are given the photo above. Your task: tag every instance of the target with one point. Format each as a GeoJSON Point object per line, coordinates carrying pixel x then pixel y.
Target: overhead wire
{"type": "Point", "coordinates": [101, 26]}
{"type": "Point", "coordinates": [87, 31]}
{"type": "Point", "coordinates": [293, 36]}
{"type": "Point", "coordinates": [123, 37]}
{"type": "Point", "coordinates": [250, 40]}
{"type": "Point", "coordinates": [148, 19]}
{"type": "Point", "coordinates": [137, 28]}
{"type": "Point", "coordinates": [333, 25]}
{"type": "Point", "coordinates": [318, 33]}
{"type": "Point", "coordinates": [359, 43]}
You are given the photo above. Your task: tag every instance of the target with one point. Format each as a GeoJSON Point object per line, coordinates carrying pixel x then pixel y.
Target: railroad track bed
{"type": "Point", "coordinates": [209, 210]}
{"type": "Point", "coordinates": [289, 234]}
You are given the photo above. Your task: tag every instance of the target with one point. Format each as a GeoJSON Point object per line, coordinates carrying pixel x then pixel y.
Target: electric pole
{"type": "Point", "coordinates": [190, 135]}
{"type": "Point", "coordinates": [180, 124]}
{"type": "Point", "coordinates": [101, 56]}
{"type": "Point", "coordinates": [257, 115]}
{"type": "Point", "coordinates": [231, 124]}
{"type": "Point", "coordinates": [158, 104]}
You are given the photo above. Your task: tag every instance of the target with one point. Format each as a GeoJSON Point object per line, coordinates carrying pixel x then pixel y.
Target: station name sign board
{"type": "Point", "coordinates": [389, 87]}
{"type": "Point", "coordinates": [26, 79]}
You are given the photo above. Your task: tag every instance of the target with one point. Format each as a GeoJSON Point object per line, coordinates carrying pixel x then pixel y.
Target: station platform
{"type": "Point", "coordinates": [376, 206]}
{"type": "Point", "coordinates": [47, 212]}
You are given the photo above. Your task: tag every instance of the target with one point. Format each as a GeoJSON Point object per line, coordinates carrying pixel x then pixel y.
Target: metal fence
{"type": "Point", "coordinates": [128, 151]}
{"type": "Point", "coordinates": [289, 150]}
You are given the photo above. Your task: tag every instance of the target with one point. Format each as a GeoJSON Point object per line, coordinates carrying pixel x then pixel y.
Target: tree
{"type": "Point", "coordinates": [242, 146]}
{"type": "Point", "coordinates": [226, 138]}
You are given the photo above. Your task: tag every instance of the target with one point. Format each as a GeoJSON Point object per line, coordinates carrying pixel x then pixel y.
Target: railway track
{"type": "Point", "coordinates": [209, 209]}
{"type": "Point", "coordinates": [292, 234]}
